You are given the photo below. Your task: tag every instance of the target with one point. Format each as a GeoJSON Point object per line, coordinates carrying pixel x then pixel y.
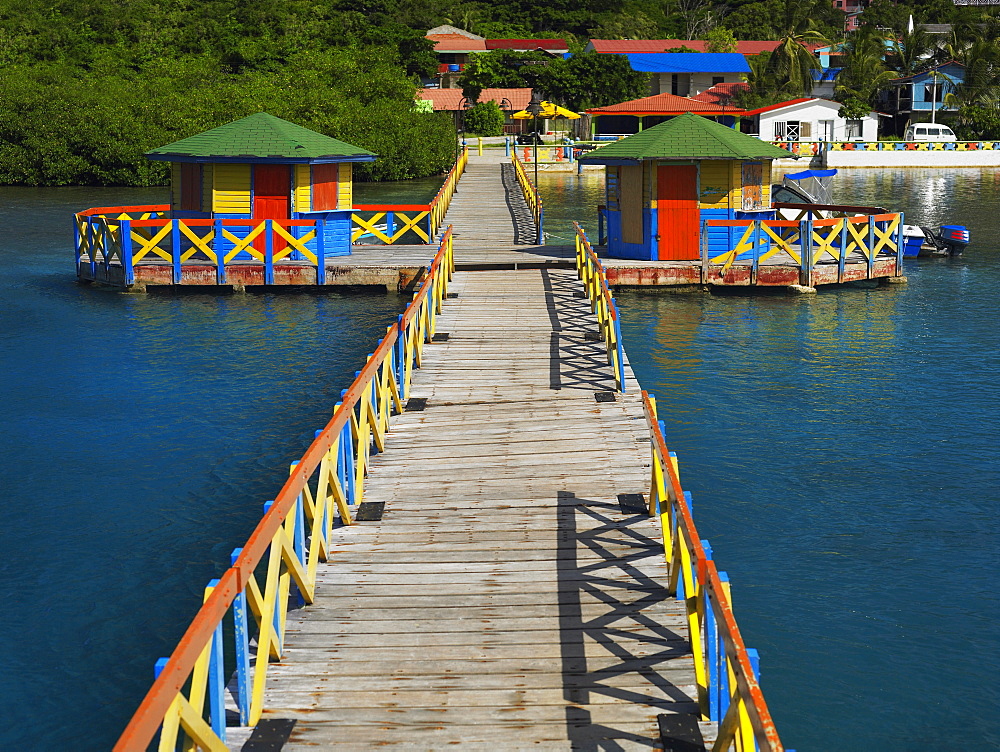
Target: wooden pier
{"type": "Point", "coordinates": [504, 598]}
{"type": "Point", "coordinates": [488, 546]}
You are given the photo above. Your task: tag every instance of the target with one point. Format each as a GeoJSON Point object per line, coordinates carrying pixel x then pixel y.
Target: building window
{"type": "Point", "coordinates": [674, 85]}
{"type": "Point", "coordinates": [786, 130]}
{"type": "Point", "coordinates": [190, 186]}
{"type": "Point", "coordinates": [718, 80]}
{"type": "Point", "coordinates": [934, 92]}
{"type": "Point", "coordinates": [853, 129]}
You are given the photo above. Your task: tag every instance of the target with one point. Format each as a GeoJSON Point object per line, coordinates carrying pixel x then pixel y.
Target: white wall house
{"type": "Point", "coordinates": [809, 119]}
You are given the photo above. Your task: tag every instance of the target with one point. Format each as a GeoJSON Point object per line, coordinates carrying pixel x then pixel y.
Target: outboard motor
{"type": "Point", "coordinates": [954, 238]}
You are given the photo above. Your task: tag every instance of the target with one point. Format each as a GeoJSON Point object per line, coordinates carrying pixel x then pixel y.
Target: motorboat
{"type": "Point", "coordinates": [799, 190]}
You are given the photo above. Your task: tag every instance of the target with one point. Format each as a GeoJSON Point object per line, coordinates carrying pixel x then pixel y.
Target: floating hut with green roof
{"type": "Point", "coordinates": [663, 182]}
{"type": "Point", "coordinates": [262, 167]}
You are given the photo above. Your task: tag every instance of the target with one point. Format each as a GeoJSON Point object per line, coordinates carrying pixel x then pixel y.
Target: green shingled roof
{"type": "Point", "coordinates": [261, 137]}
{"type": "Point", "coordinates": [686, 136]}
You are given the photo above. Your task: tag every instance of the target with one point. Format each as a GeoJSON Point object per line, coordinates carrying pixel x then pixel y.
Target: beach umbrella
{"type": "Point", "coordinates": [547, 112]}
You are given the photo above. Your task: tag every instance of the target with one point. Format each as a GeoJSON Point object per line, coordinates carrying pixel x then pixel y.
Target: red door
{"type": "Point", "coordinates": [678, 219]}
{"type": "Point", "coordinates": [272, 186]}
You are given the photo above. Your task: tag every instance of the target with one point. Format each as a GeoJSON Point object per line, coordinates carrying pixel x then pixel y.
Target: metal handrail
{"type": "Point", "coordinates": [291, 539]}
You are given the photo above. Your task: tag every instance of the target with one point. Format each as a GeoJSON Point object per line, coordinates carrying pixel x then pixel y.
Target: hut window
{"type": "Point", "coordinates": [324, 180]}
{"type": "Point", "coordinates": [190, 187]}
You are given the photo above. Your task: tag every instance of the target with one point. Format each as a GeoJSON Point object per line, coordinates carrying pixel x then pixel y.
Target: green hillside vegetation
{"type": "Point", "coordinates": [89, 85]}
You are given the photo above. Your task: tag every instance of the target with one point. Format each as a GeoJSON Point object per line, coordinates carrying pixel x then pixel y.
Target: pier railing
{"type": "Point", "coordinates": [390, 223]}
{"type": "Point", "coordinates": [279, 561]}
{"type": "Point", "coordinates": [531, 196]}
{"type": "Point", "coordinates": [595, 283]}
{"type": "Point", "coordinates": [805, 242]}
{"type": "Point", "coordinates": [813, 148]}
{"type": "Point", "coordinates": [726, 671]}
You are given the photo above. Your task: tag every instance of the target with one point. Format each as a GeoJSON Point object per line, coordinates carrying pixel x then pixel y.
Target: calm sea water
{"type": "Point", "coordinates": [841, 449]}
{"type": "Point", "coordinates": [140, 437]}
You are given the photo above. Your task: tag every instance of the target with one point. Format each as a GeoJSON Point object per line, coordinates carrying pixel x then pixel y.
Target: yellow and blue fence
{"type": "Point", "coordinates": [726, 671]}
{"type": "Point", "coordinates": [395, 223]}
{"type": "Point", "coordinates": [813, 148]}
{"type": "Point", "coordinates": [531, 196]}
{"type": "Point", "coordinates": [595, 284]}
{"type": "Point", "coordinates": [280, 559]}
{"type": "Point", "coordinates": [804, 242]}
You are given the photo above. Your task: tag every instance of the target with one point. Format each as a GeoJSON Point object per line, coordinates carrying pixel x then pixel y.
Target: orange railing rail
{"type": "Point", "coordinates": [186, 701]}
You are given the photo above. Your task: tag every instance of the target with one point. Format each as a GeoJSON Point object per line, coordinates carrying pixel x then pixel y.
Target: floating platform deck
{"type": "Point", "coordinates": [494, 229]}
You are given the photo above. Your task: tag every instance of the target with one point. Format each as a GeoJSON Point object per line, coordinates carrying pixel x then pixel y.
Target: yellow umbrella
{"type": "Point", "coordinates": [547, 112]}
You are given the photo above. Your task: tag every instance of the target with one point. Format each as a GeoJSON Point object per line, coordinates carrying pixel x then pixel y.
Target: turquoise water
{"type": "Point", "coordinates": [841, 449]}
{"type": "Point", "coordinates": [842, 452]}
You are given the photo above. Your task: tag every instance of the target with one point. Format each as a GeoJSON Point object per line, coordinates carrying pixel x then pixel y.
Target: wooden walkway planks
{"type": "Point", "coordinates": [504, 599]}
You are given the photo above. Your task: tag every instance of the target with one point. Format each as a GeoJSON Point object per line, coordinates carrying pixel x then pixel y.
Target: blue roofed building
{"type": "Point", "coordinates": [685, 74]}
{"type": "Point", "coordinates": [911, 99]}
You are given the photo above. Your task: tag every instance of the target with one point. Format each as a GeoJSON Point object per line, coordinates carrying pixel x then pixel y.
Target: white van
{"type": "Point", "coordinates": [929, 132]}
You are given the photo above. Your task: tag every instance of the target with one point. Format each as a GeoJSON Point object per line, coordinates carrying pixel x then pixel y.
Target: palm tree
{"type": "Point", "coordinates": [791, 64]}
{"type": "Point", "coordinates": [911, 51]}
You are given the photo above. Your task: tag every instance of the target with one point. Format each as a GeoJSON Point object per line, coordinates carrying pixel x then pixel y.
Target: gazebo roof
{"type": "Point", "coordinates": [260, 138]}
{"type": "Point", "coordinates": [685, 137]}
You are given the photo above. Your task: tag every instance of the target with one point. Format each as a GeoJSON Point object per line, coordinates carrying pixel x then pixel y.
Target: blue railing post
{"type": "Point", "coordinates": [871, 245]}
{"type": "Point", "coordinates": [219, 249]}
{"type": "Point", "coordinates": [125, 250]}
{"type": "Point", "coordinates": [320, 253]}
{"type": "Point", "coordinates": [77, 242]}
{"type": "Point", "coordinates": [845, 235]}
{"type": "Point", "coordinates": [175, 249]}
{"type": "Point", "coordinates": [90, 247]}
{"type": "Point", "coordinates": [723, 673]}
{"type": "Point", "coordinates": [711, 648]}
{"type": "Point", "coordinates": [506, 146]}
{"type": "Point", "coordinates": [161, 663]}
{"type": "Point", "coordinates": [390, 225]}
{"type": "Point", "coordinates": [899, 245]}
{"type": "Point", "coordinates": [805, 249]}
{"type": "Point", "coordinates": [217, 681]}
{"type": "Point", "coordinates": [241, 637]}
{"type": "Point", "coordinates": [268, 252]}
{"type": "Point", "coordinates": [620, 347]}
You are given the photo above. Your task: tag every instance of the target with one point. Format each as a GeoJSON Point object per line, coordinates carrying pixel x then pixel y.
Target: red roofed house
{"type": "Point", "coordinates": [450, 100]}
{"type": "Point", "coordinates": [638, 114]}
{"type": "Point", "coordinates": [455, 46]}
{"type": "Point", "coordinates": [722, 94]}
{"type": "Point", "coordinates": [807, 119]}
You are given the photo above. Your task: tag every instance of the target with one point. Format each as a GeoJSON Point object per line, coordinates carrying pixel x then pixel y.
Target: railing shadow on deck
{"type": "Point", "coordinates": [599, 562]}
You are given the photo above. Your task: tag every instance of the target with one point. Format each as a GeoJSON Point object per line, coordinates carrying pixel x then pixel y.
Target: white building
{"type": "Point", "coordinates": [808, 119]}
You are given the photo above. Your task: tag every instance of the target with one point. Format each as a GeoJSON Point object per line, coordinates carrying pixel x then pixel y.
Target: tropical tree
{"type": "Point", "coordinates": [791, 64]}
{"type": "Point", "coordinates": [911, 51]}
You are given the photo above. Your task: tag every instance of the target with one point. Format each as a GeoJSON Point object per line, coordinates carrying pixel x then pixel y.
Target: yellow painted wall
{"type": "Point", "coordinates": [719, 184]}
{"type": "Point", "coordinates": [302, 192]}
{"type": "Point", "coordinates": [175, 186]}
{"type": "Point", "coordinates": [345, 199]}
{"type": "Point", "coordinates": [231, 189]}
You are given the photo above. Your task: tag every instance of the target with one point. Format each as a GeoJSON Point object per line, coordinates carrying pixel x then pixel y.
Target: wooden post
{"type": "Point", "coordinates": [241, 638]}
{"type": "Point", "coordinates": [320, 253]}
{"type": "Point", "coordinates": [216, 678]}
{"type": "Point", "coordinates": [125, 250]}
{"type": "Point", "coordinates": [175, 249]}
{"type": "Point", "coordinates": [268, 252]}
{"type": "Point", "coordinates": [219, 248]}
